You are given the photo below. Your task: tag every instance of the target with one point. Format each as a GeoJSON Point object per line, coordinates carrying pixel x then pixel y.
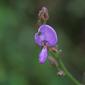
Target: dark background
{"type": "Point", "coordinates": [18, 52]}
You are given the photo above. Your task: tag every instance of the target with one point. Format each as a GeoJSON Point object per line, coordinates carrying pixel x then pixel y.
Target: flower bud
{"type": "Point", "coordinates": [61, 73]}
{"type": "Point", "coordinates": [43, 14]}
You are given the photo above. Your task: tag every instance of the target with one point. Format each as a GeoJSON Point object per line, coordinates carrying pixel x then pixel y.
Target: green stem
{"type": "Point", "coordinates": [65, 69]}
{"type": "Point", "coordinates": [68, 73]}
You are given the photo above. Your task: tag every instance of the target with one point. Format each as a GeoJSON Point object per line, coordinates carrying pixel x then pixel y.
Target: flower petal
{"type": "Point", "coordinates": [38, 40]}
{"type": "Point", "coordinates": [46, 33]}
{"type": "Point", "coordinates": [49, 33]}
{"type": "Point", "coordinates": [43, 55]}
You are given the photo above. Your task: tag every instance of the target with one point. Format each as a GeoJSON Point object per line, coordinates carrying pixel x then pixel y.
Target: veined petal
{"type": "Point", "coordinates": [49, 33]}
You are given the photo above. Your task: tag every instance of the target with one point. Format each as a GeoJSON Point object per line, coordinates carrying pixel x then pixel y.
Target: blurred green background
{"type": "Point", "coordinates": [18, 53]}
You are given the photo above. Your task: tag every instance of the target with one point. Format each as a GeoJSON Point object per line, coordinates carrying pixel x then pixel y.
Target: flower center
{"type": "Point", "coordinates": [44, 43]}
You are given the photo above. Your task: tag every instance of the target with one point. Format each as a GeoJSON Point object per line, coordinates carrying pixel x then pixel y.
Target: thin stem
{"type": "Point", "coordinates": [65, 69]}
{"type": "Point", "coordinates": [68, 73]}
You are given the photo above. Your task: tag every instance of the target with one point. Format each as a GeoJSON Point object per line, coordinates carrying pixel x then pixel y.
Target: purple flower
{"type": "Point", "coordinates": [45, 37]}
